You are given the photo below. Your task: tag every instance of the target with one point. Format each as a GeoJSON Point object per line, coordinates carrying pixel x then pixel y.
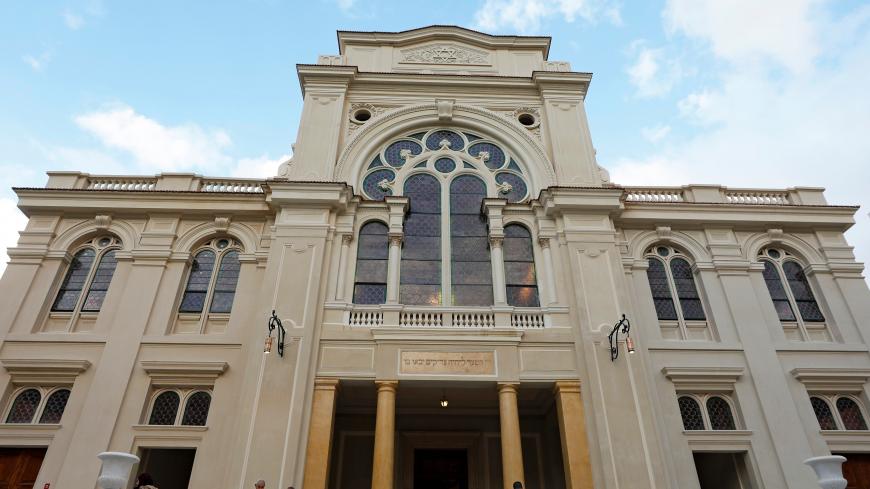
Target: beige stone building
{"type": "Point", "coordinates": [448, 261]}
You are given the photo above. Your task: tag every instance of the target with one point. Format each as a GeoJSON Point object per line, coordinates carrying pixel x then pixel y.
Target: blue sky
{"type": "Point", "coordinates": [753, 93]}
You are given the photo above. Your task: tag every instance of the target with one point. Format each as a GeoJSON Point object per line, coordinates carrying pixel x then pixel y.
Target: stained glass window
{"type": "Point", "coordinates": [24, 406]}
{"type": "Point", "coordinates": [519, 267]}
{"type": "Point", "coordinates": [198, 282]}
{"type": "Point", "coordinates": [54, 407]}
{"type": "Point", "coordinates": [823, 413]}
{"type": "Point", "coordinates": [720, 414]}
{"type": "Point", "coordinates": [225, 284]}
{"type": "Point", "coordinates": [100, 282]}
{"type": "Point", "coordinates": [803, 295]}
{"type": "Point", "coordinates": [470, 265]}
{"type": "Point", "coordinates": [661, 290]}
{"type": "Point", "coordinates": [691, 413]}
{"type": "Point", "coordinates": [777, 292]}
{"type": "Point", "coordinates": [196, 409]}
{"type": "Point", "coordinates": [373, 184]}
{"type": "Point", "coordinates": [393, 153]}
{"type": "Point", "coordinates": [74, 282]}
{"type": "Point", "coordinates": [165, 409]}
{"type": "Point", "coordinates": [453, 141]}
{"type": "Point", "coordinates": [420, 275]}
{"type": "Point", "coordinates": [851, 414]}
{"type": "Point", "coordinates": [493, 157]}
{"type": "Point", "coordinates": [515, 189]}
{"type": "Point", "coordinates": [684, 282]}
{"type": "Point", "coordinates": [445, 165]}
{"type": "Point", "coordinates": [370, 281]}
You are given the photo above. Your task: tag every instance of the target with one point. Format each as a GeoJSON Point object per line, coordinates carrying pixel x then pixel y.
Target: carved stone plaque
{"type": "Point", "coordinates": [447, 362]}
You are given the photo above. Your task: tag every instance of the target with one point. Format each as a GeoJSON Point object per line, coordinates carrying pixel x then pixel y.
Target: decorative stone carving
{"type": "Point", "coordinates": [375, 110]}
{"type": "Point", "coordinates": [496, 241]}
{"type": "Point", "coordinates": [330, 59]}
{"type": "Point", "coordinates": [445, 109]}
{"type": "Point", "coordinates": [513, 115]}
{"type": "Point", "coordinates": [664, 232]}
{"type": "Point", "coordinates": [443, 53]}
{"type": "Point", "coordinates": [557, 66]}
{"type": "Point", "coordinates": [544, 242]}
{"type": "Point", "coordinates": [103, 222]}
{"type": "Point", "coordinates": [504, 187]}
{"type": "Point", "coordinates": [222, 223]}
{"type": "Point", "coordinates": [775, 235]}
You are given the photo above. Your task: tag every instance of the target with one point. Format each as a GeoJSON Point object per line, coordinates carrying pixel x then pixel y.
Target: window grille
{"type": "Point", "coordinates": [720, 414]}
{"type": "Point", "coordinates": [24, 406]}
{"type": "Point", "coordinates": [165, 408]}
{"type": "Point", "coordinates": [519, 264]}
{"type": "Point", "coordinates": [849, 413]}
{"type": "Point", "coordinates": [716, 415]}
{"type": "Point", "coordinates": [470, 264]}
{"type": "Point", "coordinates": [672, 284]}
{"type": "Point", "coordinates": [54, 406]}
{"type": "Point", "coordinates": [166, 404]}
{"type": "Point", "coordinates": [196, 409]}
{"type": "Point", "coordinates": [420, 274]}
{"type": "Point", "coordinates": [204, 286]}
{"type": "Point", "coordinates": [691, 413]}
{"type": "Point", "coordinates": [42, 405]}
{"type": "Point", "coordinates": [370, 279]}
{"type": "Point", "coordinates": [823, 413]}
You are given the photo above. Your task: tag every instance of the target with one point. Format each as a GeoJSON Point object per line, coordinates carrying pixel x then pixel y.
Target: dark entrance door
{"type": "Point", "coordinates": [19, 467]}
{"type": "Point", "coordinates": [170, 467]}
{"type": "Point", "coordinates": [440, 469]}
{"type": "Point", "coordinates": [856, 470]}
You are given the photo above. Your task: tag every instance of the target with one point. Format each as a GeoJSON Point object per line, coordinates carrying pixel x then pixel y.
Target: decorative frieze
{"type": "Point", "coordinates": [445, 53]}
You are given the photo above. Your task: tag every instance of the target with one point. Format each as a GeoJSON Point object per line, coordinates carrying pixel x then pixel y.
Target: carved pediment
{"type": "Point", "coordinates": [445, 54]}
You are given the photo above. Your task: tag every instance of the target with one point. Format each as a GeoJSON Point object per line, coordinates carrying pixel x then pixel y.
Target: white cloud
{"type": "Point", "coordinates": [37, 62]}
{"type": "Point", "coordinates": [154, 146]}
{"type": "Point", "coordinates": [745, 31]}
{"type": "Point", "coordinates": [73, 20]}
{"type": "Point", "coordinates": [259, 167]}
{"type": "Point", "coordinates": [13, 222]}
{"type": "Point", "coordinates": [655, 133]}
{"type": "Point", "coordinates": [526, 15]}
{"type": "Point", "coordinates": [652, 72]}
{"type": "Point", "coordinates": [345, 5]}
{"type": "Point", "coordinates": [763, 128]}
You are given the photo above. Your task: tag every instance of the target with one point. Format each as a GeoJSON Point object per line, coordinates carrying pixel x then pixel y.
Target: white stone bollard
{"type": "Point", "coordinates": [116, 469]}
{"type": "Point", "coordinates": [829, 470]}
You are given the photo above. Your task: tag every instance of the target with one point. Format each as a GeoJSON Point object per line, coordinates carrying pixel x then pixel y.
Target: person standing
{"type": "Point", "coordinates": [260, 484]}
{"type": "Point", "coordinates": [145, 481]}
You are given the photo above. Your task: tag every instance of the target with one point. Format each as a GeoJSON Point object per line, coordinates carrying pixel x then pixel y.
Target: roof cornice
{"type": "Point", "coordinates": [443, 32]}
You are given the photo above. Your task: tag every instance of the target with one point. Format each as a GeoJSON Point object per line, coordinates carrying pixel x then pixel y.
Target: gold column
{"type": "Point", "coordinates": [385, 430]}
{"type": "Point", "coordinates": [511, 444]}
{"type": "Point", "coordinates": [572, 431]}
{"type": "Point", "coordinates": [320, 434]}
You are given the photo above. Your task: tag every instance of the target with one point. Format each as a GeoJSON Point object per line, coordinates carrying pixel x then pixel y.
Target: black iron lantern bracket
{"type": "Point", "coordinates": [275, 323]}
{"type": "Point", "coordinates": [622, 326]}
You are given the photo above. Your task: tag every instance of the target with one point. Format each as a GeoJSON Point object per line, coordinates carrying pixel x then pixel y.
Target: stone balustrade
{"type": "Point", "coordinates": [715, 194]}
{"type": "Point", "coordinates": [184, 182]}
{"type": "Point", "coordinates": [446, 317]}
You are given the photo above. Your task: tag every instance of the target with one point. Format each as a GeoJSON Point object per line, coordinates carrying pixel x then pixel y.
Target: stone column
{"type": "Point", "coordinates": [511, 445]}
{"type": "Point", "coordinates": [385, 432]}
{"type": "Point", "coordinates": [320, 434]}
{"type": "Point", "coordinates": [572, 431]}
{"type": "Point", "coordinates": [549, 272]}
{"type": "Point", "coordinates": [496, 256]}
{"type": "Point", "coordinates": [395, 258]}
{"type": "Point", "coordinates": [342, 266]}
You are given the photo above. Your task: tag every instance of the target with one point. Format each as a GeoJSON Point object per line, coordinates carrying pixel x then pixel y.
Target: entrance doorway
{"type": "Point", "coordinates": [856, 470]}
{"type": "Point", "coordinates": [20, 466]}
{"type": "Point", "coordinates": [440, 469]}
{"type": "Point", "coordinates": [722, 470]}
{"type": "Point", "coordinates": [170, 467]}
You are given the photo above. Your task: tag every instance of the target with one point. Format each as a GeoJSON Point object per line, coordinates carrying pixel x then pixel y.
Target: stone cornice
{"type": "Point", "coordinates": [44, 371]}
{"type": "Point", "coordinates": [789, 218]}
{"type": "Point", "coordinates": [183, 373]}
{"type": "Point", "coordinates": [556, 200]}
{"type": "Point", "coordinates": [703, 379]}
{"type": "Point", "coordinates": [833, 379]}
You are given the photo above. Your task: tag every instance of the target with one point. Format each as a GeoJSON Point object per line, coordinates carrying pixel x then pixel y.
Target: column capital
{"type": "Point", "coordinates": [326, 384]}
{"type": "Point", "coordinates": [346, 238]}
{"type": "Point", "coordinates": [496, 241]}
{"type": "Point", "coordinates": [396, 239]}
{"type": "Point", "coordinates": [508, 386]}
{"type": "Point", "coordinates": [544, 242]}
{"type": "Point", "coordinates": [384, 385]}
{"type": "Point", "coordinates": [566, 386]}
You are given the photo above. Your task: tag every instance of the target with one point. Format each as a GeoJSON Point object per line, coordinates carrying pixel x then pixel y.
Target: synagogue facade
{"type": "Point", "coordinates": [441, 289]}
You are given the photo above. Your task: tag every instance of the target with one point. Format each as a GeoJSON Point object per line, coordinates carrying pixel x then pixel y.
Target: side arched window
{"type": "Point", "coordinates": [798, 296]}
{"type": "Point", "coordinates": [519, 267]}
{"type": "Point", "coordinates": [848, 415]}
{"type": "Point", "coordinates": [90, 271]}
{"type": "Point", "coordinates": [370, 279]}
{"type": "Point", "coordinates": [204, 286]}
{"type": "Point", "coordinates": [672, 282]}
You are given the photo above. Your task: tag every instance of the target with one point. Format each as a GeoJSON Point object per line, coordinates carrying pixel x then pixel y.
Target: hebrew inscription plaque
{"type": "Point", "coordinates": [447, 362]}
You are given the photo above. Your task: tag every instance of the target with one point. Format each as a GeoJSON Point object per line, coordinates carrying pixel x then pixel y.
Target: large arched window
{"type": "Point", "coordinates": [90, 270]}
{"type": "Point", "coordinates": [519, 267]}
{"type": "Point", "coordinates": [672, 283]}
{"type": "Point", "coordinates": [370, 279]}
{"type": "Point", "coordinates": [446, 174]}
{"type": "Point", "coordinates": [206, 287]}
{"type": "Point", "coordinates": [796, 302]}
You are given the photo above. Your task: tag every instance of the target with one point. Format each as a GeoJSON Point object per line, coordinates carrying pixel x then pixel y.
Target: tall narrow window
{"type": "Point", "coordinates": [851, 414]}
{"type": "Point", "coordinates": [720, 414]}
{"type": "Point", "coordinates": [671, 280]}
{"type": "Point", "coordinates": [691, 413]}
{"type": "Point", "coordinates": [796, 302]}
{"type": "Point", "coordinates": [370, 280]}
{"type": "Point", "coordinates": [165, 408]}
{"type": "Point", "coordinates": [24, 406]}
{"type": "Point", "coordinates": [519, 267]}
{"type": "Point", "coordinates": [54, 406]}
{"type": "Point", "coordinates": [470, 265]}
{"type": "Point", "coordinates": [204, 286]}
{"type": "Point", "coordinates": [420, 274]}
{"type": "Point", "coordinates": [91, 270]}
{"type": "Point", "coordinates": [823, 413]}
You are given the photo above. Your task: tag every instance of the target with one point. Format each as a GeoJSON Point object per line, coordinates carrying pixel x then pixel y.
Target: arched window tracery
{"type": "Point", "coordinates": [672, 283]}
{"type": "Point", "coordinates": [794, 302]}
{"type": "Point", "coordinates": [447, 173]}
{"type": "Point", "coordinates": [204, 286]}
{"type": "Point", "coordinates": [88, 276]}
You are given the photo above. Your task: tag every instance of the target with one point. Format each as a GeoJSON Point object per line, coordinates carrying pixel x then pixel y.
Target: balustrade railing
{"type": "Point", "coordinates": [121, 183]}
{"type": "Point", "coordinates": [756, 197]}
{"type": "Point", "coordinates": [654, 194]}
{"type": "Point", "coordinates": [221, 185]}
{"type": "Point", "coordinates": [372, 317]}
